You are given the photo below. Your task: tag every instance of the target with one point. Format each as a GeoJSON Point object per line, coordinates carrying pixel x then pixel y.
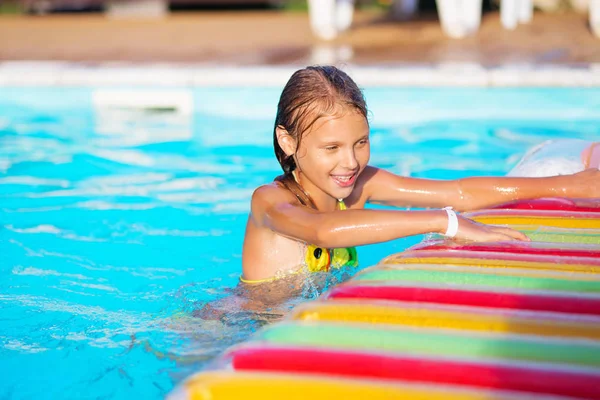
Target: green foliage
{"type": "Point", "coordinates": [10, 7]}
{"type": "Point", "coordinates": [295, 5]}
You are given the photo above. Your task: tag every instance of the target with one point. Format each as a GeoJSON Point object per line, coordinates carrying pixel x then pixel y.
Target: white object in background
{"type": "Point", "coordinates": [137, 9]}
{"type": "Point", "coordinates": [321, 14]}
{"type": "Point", "coordinates": [525, 11]}
{"type": "Point", "coordinates": [329, 17]}
{"type": "Point", "coordinates": [509, 13]}
{"type": "Point", "coordinates": [595, 17]}
{"type": "Point", "coordinates": [330, 54]}
{"type": "Point", "coordinates": [403, 10]}
{"type": "Point", "coordinates": [459, 18]}
{"type": "Point", "coordinates": [472, 13]}
{"type": "Point", "coordinates": [450, 18]}
{"type": "Point", "coordinates": [344, 11]}
{"type": "Point", "coordinates": [142, 114]}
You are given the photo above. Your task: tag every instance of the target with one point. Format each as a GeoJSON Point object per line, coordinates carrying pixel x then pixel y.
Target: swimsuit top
{"type": "Point", "coordinates": [320, 259]}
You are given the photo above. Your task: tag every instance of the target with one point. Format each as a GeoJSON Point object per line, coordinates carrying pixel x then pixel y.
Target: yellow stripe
{"type": "Point", "coordinates": [272, 386]}
{"type": "Point", "coordinates": [461, 319]}
{"type": "Point", "coordinates": [558, 222]}
{"type": "Point", "coordinates": [493, 263]}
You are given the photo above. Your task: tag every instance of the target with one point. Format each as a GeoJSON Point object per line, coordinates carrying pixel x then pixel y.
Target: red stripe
{"type": "Point", "coordinates": [361, 364]}
{"type": "Point", "coordinates": [518, 301]}
{"type": "Point", "coordinates": [517, 248]}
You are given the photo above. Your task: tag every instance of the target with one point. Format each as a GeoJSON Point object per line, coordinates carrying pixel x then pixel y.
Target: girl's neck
{"type": "Point", "coordinates": [321, 203]}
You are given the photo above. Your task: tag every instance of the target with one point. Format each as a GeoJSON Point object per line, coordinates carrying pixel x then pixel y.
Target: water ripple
{"type": "Point", "coordinates": [121, 227]}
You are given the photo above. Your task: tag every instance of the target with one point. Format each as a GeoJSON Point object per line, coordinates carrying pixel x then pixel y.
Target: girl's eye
{"type": "Point", "coordinates": [331, 148]}
{"type": "Point", "coordinates": [363, 142]}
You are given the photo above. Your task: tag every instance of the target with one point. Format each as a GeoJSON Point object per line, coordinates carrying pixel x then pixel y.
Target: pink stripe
{"type": "Point", "coordinates": [555, 204]}
{"type": "Point", "coordinates": [517, 247]}
{"type": "Point", "coordinates": [539, 258]}
{"type": "Point", "coordinates": [580, 214]}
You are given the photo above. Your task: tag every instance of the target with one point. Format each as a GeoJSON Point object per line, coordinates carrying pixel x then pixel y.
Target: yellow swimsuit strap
{"type": "Point", "coordinates": [269, 279]}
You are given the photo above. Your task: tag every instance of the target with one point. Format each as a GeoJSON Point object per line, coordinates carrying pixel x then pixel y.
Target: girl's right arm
{"type": "Point", "coordinates": [274, 209]}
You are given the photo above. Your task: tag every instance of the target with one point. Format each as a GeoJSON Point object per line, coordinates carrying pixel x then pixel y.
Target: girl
{"type": "Point", "coordinates": [321, 140]}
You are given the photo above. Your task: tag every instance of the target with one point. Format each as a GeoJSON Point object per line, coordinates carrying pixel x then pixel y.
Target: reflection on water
{"type": "Point", "coordinates": [121, 225]}
{"type": "Point", "coordinates": [330, 54]}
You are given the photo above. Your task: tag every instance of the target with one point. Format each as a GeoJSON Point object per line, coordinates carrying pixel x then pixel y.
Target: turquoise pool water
{"type": "Point", "coordinates": [118, 222]}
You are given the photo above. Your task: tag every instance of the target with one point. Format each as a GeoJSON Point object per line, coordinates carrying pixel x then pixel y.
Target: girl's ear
{"type": "Point", "coordinates": [286, 141]}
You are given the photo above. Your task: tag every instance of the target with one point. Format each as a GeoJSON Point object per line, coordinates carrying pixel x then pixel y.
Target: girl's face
{"type": "Point", "coordinates": [332, 155]}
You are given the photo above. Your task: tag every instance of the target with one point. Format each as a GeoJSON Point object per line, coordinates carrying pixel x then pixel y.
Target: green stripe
{"type": "Point", "coordinates": [561, 237]}
{"type": "Point", "coordinates": [474, 279]}
{"type": "Point", "coordinates": [434, 343]}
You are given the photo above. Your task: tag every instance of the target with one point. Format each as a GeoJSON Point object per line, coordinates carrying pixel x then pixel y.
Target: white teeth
{"type": "Point", "coordinates": [343, 178]}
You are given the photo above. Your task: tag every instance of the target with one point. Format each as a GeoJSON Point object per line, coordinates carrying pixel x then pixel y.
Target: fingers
{"type": "Point", "coordinates": [489, 233]}
{"type": "Point", "coordinates": [501, 234]}
{"type": "Point", "coordinates": [509, 238]}
{"type": "Point", "coordinates": [512, 234]}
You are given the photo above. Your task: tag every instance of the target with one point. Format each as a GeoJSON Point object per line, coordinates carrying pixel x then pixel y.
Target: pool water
{"type": "Point", "coordinates": [119, 220]}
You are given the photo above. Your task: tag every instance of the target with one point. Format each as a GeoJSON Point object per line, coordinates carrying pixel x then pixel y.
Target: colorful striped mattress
{"type": "Point", "coordinates": [442, 320]}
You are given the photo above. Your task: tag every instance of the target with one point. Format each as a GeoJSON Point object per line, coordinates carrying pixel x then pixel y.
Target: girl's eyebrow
{"type": "Point", "coordinates": [331, 143]}
{"type": "Point", "coordinates": [336, 141]}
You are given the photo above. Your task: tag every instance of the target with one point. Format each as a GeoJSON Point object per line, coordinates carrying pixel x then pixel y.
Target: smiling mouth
{"type": "Point", "coordinates": [344, 180]}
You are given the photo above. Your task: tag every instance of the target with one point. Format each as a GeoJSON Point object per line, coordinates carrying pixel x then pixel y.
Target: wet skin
{"type": "Point", "coordinates": [332, 160]}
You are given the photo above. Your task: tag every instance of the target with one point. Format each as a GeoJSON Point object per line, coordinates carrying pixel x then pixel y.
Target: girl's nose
{"type": "Point", "coordinates": [349, 161]}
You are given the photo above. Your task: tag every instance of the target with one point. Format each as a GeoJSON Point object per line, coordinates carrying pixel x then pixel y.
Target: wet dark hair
{"type": "Point", "coordinates": [312, 93]}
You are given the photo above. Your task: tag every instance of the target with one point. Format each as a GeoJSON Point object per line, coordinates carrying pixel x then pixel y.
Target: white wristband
{"type": "Point", "coordinates": [452, 223]}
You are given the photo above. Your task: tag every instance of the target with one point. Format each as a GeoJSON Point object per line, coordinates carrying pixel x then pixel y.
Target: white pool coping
{"type": "Point", "coordinates": [66, 74]}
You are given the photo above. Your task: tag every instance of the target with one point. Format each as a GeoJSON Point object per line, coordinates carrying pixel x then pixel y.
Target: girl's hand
{"type": "Point", "coordinates": [469, 230]}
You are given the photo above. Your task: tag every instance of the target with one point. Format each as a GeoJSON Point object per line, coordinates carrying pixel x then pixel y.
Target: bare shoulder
{"type": "Point", "coordinates": [364, 187]}
{"type": "Point", "coordinates": [371, 177]}
{"type": "Point", "coordinates": [377, 185]}
{"type": "Point", "coordinates": [372, 174]}
{"type": "Point", "coordinates": [267, 196]}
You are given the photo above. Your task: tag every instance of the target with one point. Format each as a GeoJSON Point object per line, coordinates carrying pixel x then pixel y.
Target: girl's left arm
{"type": "Point", "coordinates": [384, 187]}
